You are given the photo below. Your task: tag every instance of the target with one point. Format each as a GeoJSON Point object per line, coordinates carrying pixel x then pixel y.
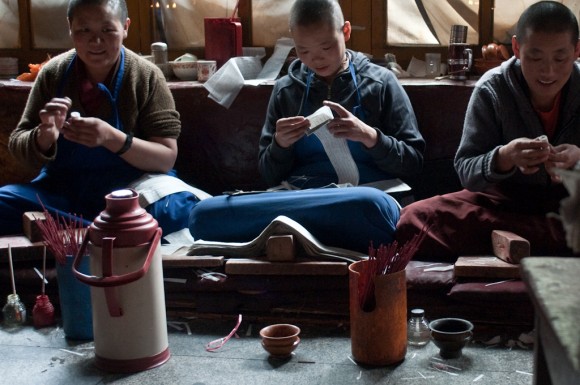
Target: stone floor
{"type": "Point", "coordinates": [44, 356]}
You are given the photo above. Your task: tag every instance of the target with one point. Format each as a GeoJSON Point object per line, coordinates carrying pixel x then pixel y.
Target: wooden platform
{"type": "Point", "coordinates": [485, 267]}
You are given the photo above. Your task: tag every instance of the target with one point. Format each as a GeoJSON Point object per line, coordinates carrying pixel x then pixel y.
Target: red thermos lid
{"type": "Point", "coordinates": [123, 219]}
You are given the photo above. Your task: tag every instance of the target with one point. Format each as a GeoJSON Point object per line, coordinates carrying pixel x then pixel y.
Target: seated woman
{"type": "Point", "coordinates": [371, 136]}
{"type": "Point", "coordinates": [122, 133]}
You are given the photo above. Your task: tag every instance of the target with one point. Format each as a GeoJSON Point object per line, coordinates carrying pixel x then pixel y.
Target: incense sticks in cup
{"type": "Point", "coordinates": [378, 303]}
{"type": "Point", "coordinates": [378, 335]}
{"type": "Point", "coordinates": [62, 236]}
{"type": "Point", "coordinates": [386, 259]}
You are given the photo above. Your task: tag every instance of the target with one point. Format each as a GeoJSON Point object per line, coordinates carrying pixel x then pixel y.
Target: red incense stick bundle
{"type": "Point", "coordinates": [62, 237]}
{"type": "Point", "coordinates": [384, 260]}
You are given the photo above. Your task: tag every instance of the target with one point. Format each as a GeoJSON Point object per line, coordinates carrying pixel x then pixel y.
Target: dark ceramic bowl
{"type": "Point", "coordinates": [280, 340]}
{"type": "Point", "coordinates": [451, 335]}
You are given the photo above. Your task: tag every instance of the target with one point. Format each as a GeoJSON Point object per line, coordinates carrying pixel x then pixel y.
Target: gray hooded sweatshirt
{"type": "Point", "coordinates": [499, 111]}
{"type": "Point", "coordinates": [384, 104]}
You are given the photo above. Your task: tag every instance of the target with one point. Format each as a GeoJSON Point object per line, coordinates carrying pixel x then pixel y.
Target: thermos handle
{"type": "Point", "coordinates": [114, 280]}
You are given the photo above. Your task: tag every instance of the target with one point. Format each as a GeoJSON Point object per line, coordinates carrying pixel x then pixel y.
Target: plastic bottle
{"type": "Point", "coordinates": [418, 332]}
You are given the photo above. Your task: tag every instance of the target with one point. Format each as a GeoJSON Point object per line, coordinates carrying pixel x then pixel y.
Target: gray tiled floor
{"type": "Point", "coordinates": [30, 356]}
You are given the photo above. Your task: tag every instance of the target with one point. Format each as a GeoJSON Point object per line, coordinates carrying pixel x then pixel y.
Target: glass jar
{"type": "Point", "coordinates": [14, 311]}
{"type": "Point", "coordinates": [418, 332]}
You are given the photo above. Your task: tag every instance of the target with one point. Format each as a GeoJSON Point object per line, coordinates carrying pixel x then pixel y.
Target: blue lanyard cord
{"type": "Point", "coordinates": [357, 110]}
{"type": "Point", "coordinates": [308, 81]}
{"type": "Point", "coordinates": [114, 97]}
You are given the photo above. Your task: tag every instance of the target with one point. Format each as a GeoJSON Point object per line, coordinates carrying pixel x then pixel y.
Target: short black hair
{"type": "Point", "coordinates": [548, 17]}
{"type": "Point", "coordinates": [309, 12]}
{"type": "Point", "coordinates": [120, 6]}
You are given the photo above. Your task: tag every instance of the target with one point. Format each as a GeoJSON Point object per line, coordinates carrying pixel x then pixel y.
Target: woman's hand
{"type": "Point", "coordinates": [290, 130]}
{"type": "Point", "coordinates": [155, 154]}
{"type": "Point", "coordinates": [350, 127]}
{"type": "Point", "coordinates": [52, 117]}
{"type": "Point", "coordinates": [91, 132]}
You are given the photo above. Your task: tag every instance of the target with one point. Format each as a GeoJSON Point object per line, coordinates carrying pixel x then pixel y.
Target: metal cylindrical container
{"type": "Point", "coordinates": [159, 55]}
{"type": "Point", "coordinates": [159, 52]}
{"type": "Point", "coordinates": [458, 34]}
{"type": "Point", "coordinates": [127, 293]}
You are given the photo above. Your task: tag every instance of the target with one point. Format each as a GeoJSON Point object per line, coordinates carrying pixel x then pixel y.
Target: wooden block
{"type": "Point", "coordinates": [280, 248]}
{"type": "Point", "coordinates": [179, 258]}
{"type": "Point", "coordinates": [30, 225]}
{"type": "Point", "coordinates": [256, 267]}
{"type": "Point", "coordinates": [485, 267]}
{"type": "Point", "coordinates": [22, 249]}
{"type": "Point", "coordinates": [192, 261]}
{"type": "Point", "coordinates": [509, 247]}
{"type": "Point", "coordinates": [14, 241]}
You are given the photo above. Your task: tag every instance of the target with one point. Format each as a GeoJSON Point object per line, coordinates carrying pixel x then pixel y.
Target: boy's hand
{"type": "Point", "coordinates": [525, 154]}
{"type": "Point", "coordinates": [350, 127]}
{"type": "Point", "coordinates": [563, 156]}
{"type": "Point", "coordinates": [290, 130]}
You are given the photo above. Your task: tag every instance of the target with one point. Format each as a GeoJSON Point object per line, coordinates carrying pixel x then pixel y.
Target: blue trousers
{"type": "Point", "coordinates": [171, 212]}
{"type": "Point", "coordinates": [349, 218]}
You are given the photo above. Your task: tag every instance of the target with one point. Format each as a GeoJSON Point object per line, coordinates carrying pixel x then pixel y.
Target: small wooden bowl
{"type": "Point", "coordinates": [280, 340]}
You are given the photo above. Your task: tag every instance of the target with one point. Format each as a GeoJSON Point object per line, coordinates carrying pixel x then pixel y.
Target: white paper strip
{"type": "Point", "coordinates": [339, 155]}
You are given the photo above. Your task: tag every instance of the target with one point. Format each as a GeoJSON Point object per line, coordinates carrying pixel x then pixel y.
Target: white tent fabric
{"type": "Point", "coordinates": [181, 21]}
{"type": "Point", "coordinates": [270, 18]}
{"type": "Point", "coordinates": [9, 36]}
{"type": "Point", "coordinates": [405, 25]}
{"type": "Point", "coordinates": [441, 15]}
{"type": "Point", "coordinates": [507, 13]}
